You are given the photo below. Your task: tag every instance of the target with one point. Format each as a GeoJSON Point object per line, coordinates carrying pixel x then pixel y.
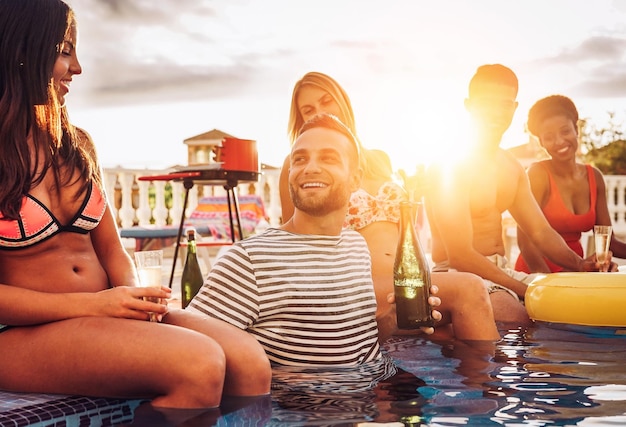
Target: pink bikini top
{"type": "Point", "coordinates": [365, 209]}
{"type": "Point", "coordinates": [37, 223]}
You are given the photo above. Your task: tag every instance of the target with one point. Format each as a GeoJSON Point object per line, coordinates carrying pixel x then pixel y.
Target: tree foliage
{"type": "Point", "coordinates": [604, 147]}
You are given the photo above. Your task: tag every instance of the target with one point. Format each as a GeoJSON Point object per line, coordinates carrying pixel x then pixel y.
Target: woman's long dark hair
{"type": "Point", "coordinates": [31, 36]}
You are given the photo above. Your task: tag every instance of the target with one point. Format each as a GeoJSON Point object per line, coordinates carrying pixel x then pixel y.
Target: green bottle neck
{"type": "Point", "coordinates": [191, 244]}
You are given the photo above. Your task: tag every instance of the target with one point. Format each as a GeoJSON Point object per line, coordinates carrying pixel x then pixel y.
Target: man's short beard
{"type": "Point", "coordinates": [320, 207]}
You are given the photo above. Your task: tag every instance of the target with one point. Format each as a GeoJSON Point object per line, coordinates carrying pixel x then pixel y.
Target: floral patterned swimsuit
{"type": "Point", "coordinates": [365, 209]}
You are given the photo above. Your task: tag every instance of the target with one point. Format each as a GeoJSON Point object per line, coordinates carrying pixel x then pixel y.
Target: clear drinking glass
{"type": "Point", "coordinates": [602, 240]}
{"type": "Point", "coordinates": [149, 269]}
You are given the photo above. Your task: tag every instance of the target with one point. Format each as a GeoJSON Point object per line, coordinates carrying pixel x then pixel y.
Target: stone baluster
{"type": "Point", "coordinates": [127, 212]}
{"type": "Point", "coordinates": [144, 213]}
{"type": "Point", "coordinates": [178, 194]}
{"type": "Point", "coordinates": [160, 211]}
{"type": "Point", "coordinates": [192, 203]}
{"type": "Point", "coordinates": [110, 179]}
{"type": "Point", "coordinates": [616, 194]}
{"type": "Point", "coordinates": [621, 203]}
{"type": "Point", "coordinates": [219, 191]}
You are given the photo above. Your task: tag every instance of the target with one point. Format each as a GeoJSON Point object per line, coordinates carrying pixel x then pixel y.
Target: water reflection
{"type": "Point", "coordinates": [372, 392]}
{"type": "Point", "coordinates": [559, 370]}
{"type": "Point", "coordinates": [538, 376]}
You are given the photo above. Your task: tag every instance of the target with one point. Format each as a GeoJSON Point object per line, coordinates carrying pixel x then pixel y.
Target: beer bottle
{"type": "Point", "coordinates": [411, 276]}
{"type": "Point", "coordinates": [192, 279]}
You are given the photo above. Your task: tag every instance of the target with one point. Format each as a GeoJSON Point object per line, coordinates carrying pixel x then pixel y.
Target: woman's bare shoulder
{"type": "Point", "coordinates": [538, 170]}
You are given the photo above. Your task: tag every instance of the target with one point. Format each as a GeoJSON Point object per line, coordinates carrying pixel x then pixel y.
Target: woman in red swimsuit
{"type": "Point", "coordinates": [76, 320]}
{"type": "Point", "coordinates": [572, 195]}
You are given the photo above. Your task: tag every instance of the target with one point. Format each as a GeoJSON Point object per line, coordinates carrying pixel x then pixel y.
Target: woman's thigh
{"type": "Point", "coordinates": [102, 356]}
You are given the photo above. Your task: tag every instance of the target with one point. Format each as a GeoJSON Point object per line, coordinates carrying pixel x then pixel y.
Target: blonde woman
{"type": "Point", "coordinates": [464, 300]}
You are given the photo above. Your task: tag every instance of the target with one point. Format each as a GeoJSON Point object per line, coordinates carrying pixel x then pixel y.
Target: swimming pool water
{"type": "Point", "coordinates": [540, 376]}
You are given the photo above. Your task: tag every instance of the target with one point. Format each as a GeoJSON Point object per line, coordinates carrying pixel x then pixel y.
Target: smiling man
{"type": "Point", "coordinates": [465, 201]}
{"type": "Point", "coordinates": [305, 290]}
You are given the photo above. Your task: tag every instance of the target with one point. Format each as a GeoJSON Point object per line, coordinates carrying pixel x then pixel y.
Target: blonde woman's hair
{"type": "Point", "coordinates": [329, 85]}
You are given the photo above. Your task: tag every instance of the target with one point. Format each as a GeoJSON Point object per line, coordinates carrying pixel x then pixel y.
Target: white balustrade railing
{"type": "Point", "coordinates": [130, 199]}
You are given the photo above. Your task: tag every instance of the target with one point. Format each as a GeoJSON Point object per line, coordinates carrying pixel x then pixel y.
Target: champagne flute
{"type": "Point", "coordinates": [602, 240]}
{"type": "Point", "coordinates": [149, 264]}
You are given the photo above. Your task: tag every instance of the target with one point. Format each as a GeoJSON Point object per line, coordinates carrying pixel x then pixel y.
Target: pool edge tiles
{"type": "Point", "coordinates": [24, 409]}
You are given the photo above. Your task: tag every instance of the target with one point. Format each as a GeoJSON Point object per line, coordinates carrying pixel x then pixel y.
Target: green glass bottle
{"type": "Point", "coordinates": [192, 279]}
{"type": "Point", "coordinates": [411, 276]}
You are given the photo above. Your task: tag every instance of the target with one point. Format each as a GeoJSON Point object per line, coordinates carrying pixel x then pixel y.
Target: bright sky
{"type": "Point", "coordinates": [158, 72]}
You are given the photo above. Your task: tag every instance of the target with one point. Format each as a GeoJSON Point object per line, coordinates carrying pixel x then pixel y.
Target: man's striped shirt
{"type": "Point", "coordinates": [308, 299]}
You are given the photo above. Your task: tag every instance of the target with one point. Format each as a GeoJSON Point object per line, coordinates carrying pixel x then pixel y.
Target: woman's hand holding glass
{"type": "Point", "coordinates": [602, 242]}
{"type": "Point", "coordinates": [149, 269]}
{"type": "Point", "coordinates": [130, 302]}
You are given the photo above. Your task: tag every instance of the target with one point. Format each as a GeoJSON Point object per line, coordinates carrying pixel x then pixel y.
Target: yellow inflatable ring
{"type": "Point", "coordinates": [587, 299]}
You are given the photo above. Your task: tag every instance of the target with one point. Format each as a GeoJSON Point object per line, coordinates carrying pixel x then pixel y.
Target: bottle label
{"type": "Point", "coordinates": [411, 277]}
{"type": "Point", "coordinates": [412, 308]}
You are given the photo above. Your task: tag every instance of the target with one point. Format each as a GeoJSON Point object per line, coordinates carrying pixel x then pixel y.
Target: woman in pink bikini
{"type": "Point", "coordinates": [72, 318]}
{"type": "Point", "coordinates": [571, 195]}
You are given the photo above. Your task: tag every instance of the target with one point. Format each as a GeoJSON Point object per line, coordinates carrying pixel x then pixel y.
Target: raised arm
{"type": "Point", "coordinates": [528, 215]}
{"type": "Point", "coordinates": [534, 258]}
{"type": "Point", "coordinates": [532, 255]}
{"type": "Point", "coordinates": [450, 214]}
